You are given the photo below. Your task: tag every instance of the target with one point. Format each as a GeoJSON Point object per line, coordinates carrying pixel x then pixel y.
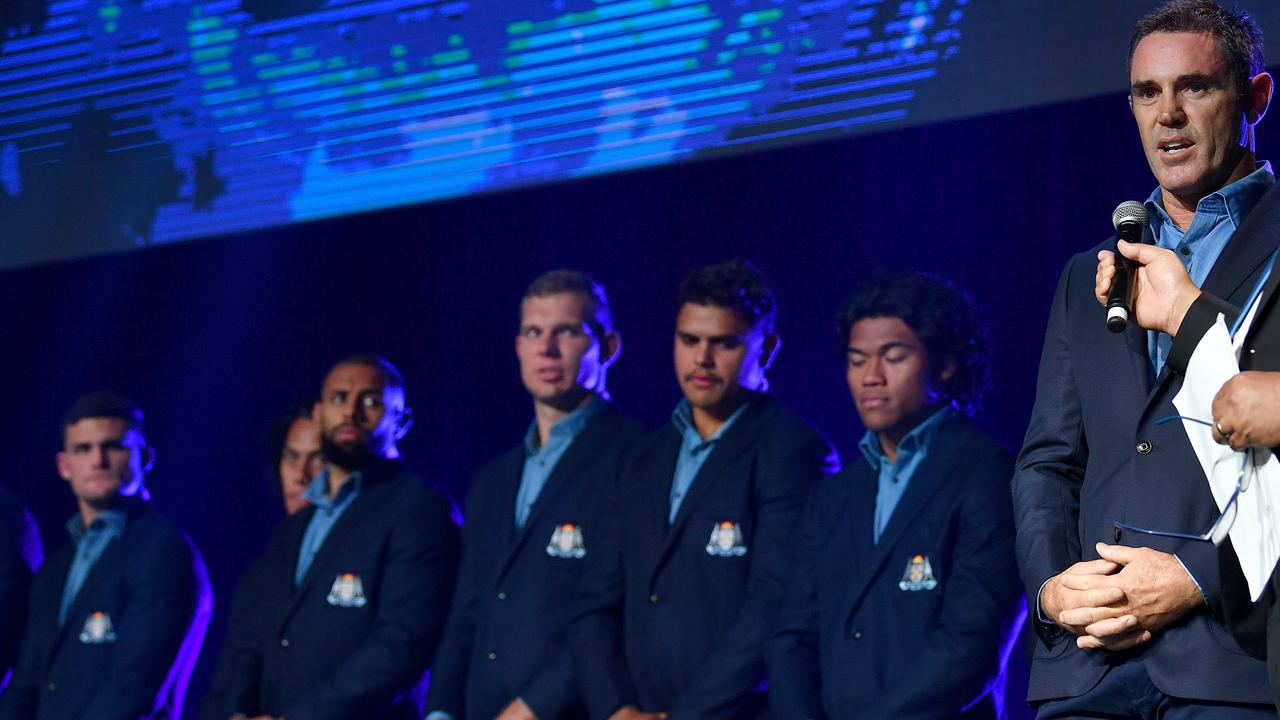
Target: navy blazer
{"type": "Point", "coordinates": [20, 556]}
{"type": "Point", "coordinates": [354, 639]}
{"type": "Point", "coordinates": [507, 634]}
{"type": "Point", "coordinates": [1094, 455]}
{"type": "Point", "coordinates": [131, 635]}
{"type": "Point", "coordinates": [852, 642]}
{"type": "Point", "coordinates": [1261, 351]}
{"type": "Point", "coordinates": [666, 620]}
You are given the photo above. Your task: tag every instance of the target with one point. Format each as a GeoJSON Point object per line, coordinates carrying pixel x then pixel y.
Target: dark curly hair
{"type": "Point", "coordinates": [737, 285]}
{"type": "Point", "coordinates": [1237, 35]}
{"type": "Point", "coordinates": [941, 315]}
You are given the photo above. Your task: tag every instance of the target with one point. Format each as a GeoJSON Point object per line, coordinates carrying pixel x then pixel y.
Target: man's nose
{"type": "Point", "coordinates": [706, 357]}
{"type": "Point", "coordinates": [1171, 113]}
{"type": "Point", "coordinates": [100, 459]}
{"type": "Point", "coordinates": [874, 374]}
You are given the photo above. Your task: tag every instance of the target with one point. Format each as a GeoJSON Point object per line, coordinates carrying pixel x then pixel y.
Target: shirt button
{"type": "Point", "coordinates": [856, 634]}
{"type": "Point", "coordinates": [654, 599]}
{"type": "Point", "coordinates": [284, 642]}
{"type": "Point", "coordinates": [1144, 448]}
{"type": "Point", "coordinates": [493, 656]}
{"type": "Point", "coordinates": [1186, 251]}
{"type": "Point", "coordinates": [502, 596]}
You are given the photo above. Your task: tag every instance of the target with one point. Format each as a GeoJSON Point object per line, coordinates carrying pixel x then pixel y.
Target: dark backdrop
{"type": "Point", "coordinates": [213, 338]}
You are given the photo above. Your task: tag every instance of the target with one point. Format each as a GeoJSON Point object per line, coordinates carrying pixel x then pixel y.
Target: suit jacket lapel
{"type": "Point", "coordinates": [733, 443]}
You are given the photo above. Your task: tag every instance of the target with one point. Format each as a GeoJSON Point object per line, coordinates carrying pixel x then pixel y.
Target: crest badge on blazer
{"type": "Point", "coordinates": [347, 591]}
{"type": "Point", "coordinates": [566, 542]}
{"type": "Point", "coordinates": [97, 629]}
{"type": "Point", "coordinates": [726, 540]}
{"type": "Point", "coordinates": [918, 575]}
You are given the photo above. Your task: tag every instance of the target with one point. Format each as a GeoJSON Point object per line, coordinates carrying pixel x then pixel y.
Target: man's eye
{"type": "Point", "coordinates": [857, 362]}
{"type": "Point", "coordinates": [371, 401]}
{"type": "Point", "coordinates": [570, 332]}
{"type": "Point", "coordinates": [338, 398]}
{"type": "Point", "coordinates": [896, 357]}
{"type": "Point", "coordinates": [531, 333]}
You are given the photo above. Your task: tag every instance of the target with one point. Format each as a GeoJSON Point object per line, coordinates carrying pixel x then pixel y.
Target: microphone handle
{"type": "Point", "coordinates": [1120, 299]}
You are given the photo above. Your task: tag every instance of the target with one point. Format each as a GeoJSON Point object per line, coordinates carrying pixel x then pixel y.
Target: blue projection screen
{"type": "Point", "coordinates": [125, 123]}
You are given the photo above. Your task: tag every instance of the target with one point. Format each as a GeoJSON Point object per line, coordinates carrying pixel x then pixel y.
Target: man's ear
{"type": "Point", "coordinates": [60, 460]}
{"type": "Point", "coordinates": [1258, 97]}
{"type": "Point", "coordinates": [610, 348]}
{"type": "Point", "coordinates": [769, 351]}
{"type": "Point", "coordinates": [148, 458]}
{"type": "Point", "coordinates": [404, 421]}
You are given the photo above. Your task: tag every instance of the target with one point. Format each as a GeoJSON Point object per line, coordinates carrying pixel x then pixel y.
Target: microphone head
{"type": "Point", "coordinates": [1129, 211]}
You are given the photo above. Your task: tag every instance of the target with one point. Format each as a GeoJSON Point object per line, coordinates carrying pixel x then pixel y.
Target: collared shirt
{"type": "Point", "coordinates": [541, 460]}
{"type": "Point", "coordinates": [90, 543]}
{"type": "Point", "coordinates": [1218, 215]}
{"type": "Point", "coordinates": [694, 451]}
{"type": "Point", "coordinates": [895, 476]}
{"type": "Point", "coordinates": [328, 510]}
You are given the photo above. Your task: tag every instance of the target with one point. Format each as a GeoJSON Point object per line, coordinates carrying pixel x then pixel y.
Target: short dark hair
{"type": "Point", "coordinates": [104, 404]}
{"type": "Point", "coordinates": [555, 282]}
{"type": "Point", "coordinates": [1237, 35]}
{"type": "Point", "coordinates": [737, 285]}
{"type": "Point", "coordinates": [372, 360]}
{"type": "Point", "coordinates": [273, 440]}
{"type": "Point", "coordinates": [942, 316]}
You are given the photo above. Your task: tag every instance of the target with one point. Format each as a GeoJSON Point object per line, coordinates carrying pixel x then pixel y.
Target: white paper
{"type": "Point", "coordinates": [1255, 534]}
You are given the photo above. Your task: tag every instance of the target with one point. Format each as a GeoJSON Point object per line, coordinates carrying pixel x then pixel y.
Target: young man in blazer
{"type": "Point", "coordinates": [20, 557]}
{"type": "Point", "coordinates": [906, 590]}
{"type": "Point", "coordinates": [684, 591]}
{"type": "Point", "coordinates": [533, 516]}
{"type": "Point", "coordinates": [118, 615]}
{"type": "Point", "coordinates": [352, 592]}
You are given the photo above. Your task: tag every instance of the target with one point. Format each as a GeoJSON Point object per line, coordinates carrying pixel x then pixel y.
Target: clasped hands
{"type": "Point", "coordinates": [1245, 409]}
{"type": "Point", "coordinates": [1122, 599]}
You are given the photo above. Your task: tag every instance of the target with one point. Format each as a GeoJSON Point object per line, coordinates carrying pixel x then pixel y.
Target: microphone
{"type": "Point", "coordinates": [1130, 220]}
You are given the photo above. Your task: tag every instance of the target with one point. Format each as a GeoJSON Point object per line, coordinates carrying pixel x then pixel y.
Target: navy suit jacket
{"type": "Point", "coordinates": [308, 657]}
{"type": "Point", "coordinates": [1094, 455]}
{"type": "Point", "coordinates": [20, 556]}
{"type": "Point", "coordinates": [852, 643]}
{"type": "Point", "coordinates": [154, 590]}
{"type": "Point", "coordinates": [666, 625]}
{"type": "Point", "coordinates": [507, 634]}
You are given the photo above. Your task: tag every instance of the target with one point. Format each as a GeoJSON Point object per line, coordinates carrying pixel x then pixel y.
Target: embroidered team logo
{"type": "Point", "coordinates": [726, 540]}
{"type": "Point", "coordinates": [98, 630]}
{"type": "Point", "coordinates": [918, 575]}
{"type": "Point", "coordinates": [566, 542]}
{"type": "Point", "coordinates": [347, 591]}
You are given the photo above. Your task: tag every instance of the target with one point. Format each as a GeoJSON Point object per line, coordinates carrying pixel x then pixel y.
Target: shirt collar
{"type": "Point", "coordinates": [111, 521]}
{"type": "Point", "coordinates": [919, 438]}
{"type": "Point", "coordinates": [682, 417]}
{"type": "Point", "coordinates": [1239, 197]}
{"type": "Point", "coordinates": [317, 493]}
{"type": "Point", "coordinates": [569, 425]}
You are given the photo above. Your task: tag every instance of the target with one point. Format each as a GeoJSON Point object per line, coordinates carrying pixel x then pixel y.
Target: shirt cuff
{"type": "Point", "coordinates": [1040, 613]}
{"type": "Point", "coordinates": [1199, 589]}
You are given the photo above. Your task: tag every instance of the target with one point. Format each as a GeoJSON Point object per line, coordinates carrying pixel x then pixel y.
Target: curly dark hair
{"type": "Point", "coordinates": [942, 316]}
{"type": "Point", "coordinates": [1237, 35]}
{"type": "Point", "coordinates": [737, 285]}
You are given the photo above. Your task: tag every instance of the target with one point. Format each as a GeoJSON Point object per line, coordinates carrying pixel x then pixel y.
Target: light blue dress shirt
{"type": "Point", "coordinates": [694, 451]}
{"type": "Point", "coordinates": [90, 543]}
{"type": "Point", "coordinates": [896, 476]}
{"type": "Point", "coordinates": [1218, 215]}
{"type": "Point", "coordinates": [328, 510]}
{"type": "Point", "coordinates": [541, 460]}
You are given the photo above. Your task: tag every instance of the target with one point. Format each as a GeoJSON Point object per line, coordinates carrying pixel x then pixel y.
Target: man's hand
{"type": "Point", "coordinates": [1157, 593]}
{"type": "Point", "coordinates": [1074, 608]}
{"type": "Point", "coordinates": [1247, 409]}
{"type": "Point", "coordinates": [629, 712]}
{"type": "Point", "coordinates": [1163, 291]}
{"type": "Point", "coordinates": [517, 710]}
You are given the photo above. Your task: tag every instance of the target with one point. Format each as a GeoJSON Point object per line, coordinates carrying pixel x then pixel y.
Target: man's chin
{"type": "Point", "coordinates": [349, 456]}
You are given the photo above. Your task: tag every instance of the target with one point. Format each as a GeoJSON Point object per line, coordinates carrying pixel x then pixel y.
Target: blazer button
{"type": "Point", "coordinates": [1144, 448]}
{"type": "Point", "coordinates": [654, 599]}
{"type": "Point", "coordinates": [52, 687]}
{"type": "Point", "coordinates": [284, 642]}
{"type": "Point", "coordinates": [856, 634]}
{"type": "Point", "coordinates": [502, 596]}
{"type": "Point", "coordinates": [493, 656]}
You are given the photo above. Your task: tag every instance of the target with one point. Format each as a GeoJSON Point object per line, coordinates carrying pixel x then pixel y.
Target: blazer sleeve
{"type": "Point", "coordinates": [1050, 469]}
{"type": "Point", "coordinates": [18, 701]}
{"type": "Point", "coordinates": [418, 580]}
{"type": "Point", "coordinates": [449, 670]}
{"type": "Point", "coordinates": [795, 686]}
{"type": "Point", "coordinates": [19, 555]}
{"type": "Point", "coordinates": [1200, 317]}
{"type": "Point", "coordinates": [980, 609]}
{"type": "Point", "coordinates": [595, 637]}
{"type": "Point", "coordinates": [160, 631]}
{"type": "Point", "coordinates": [784, 480]}
{"type": "Point", "coordinates": [235, 688]}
